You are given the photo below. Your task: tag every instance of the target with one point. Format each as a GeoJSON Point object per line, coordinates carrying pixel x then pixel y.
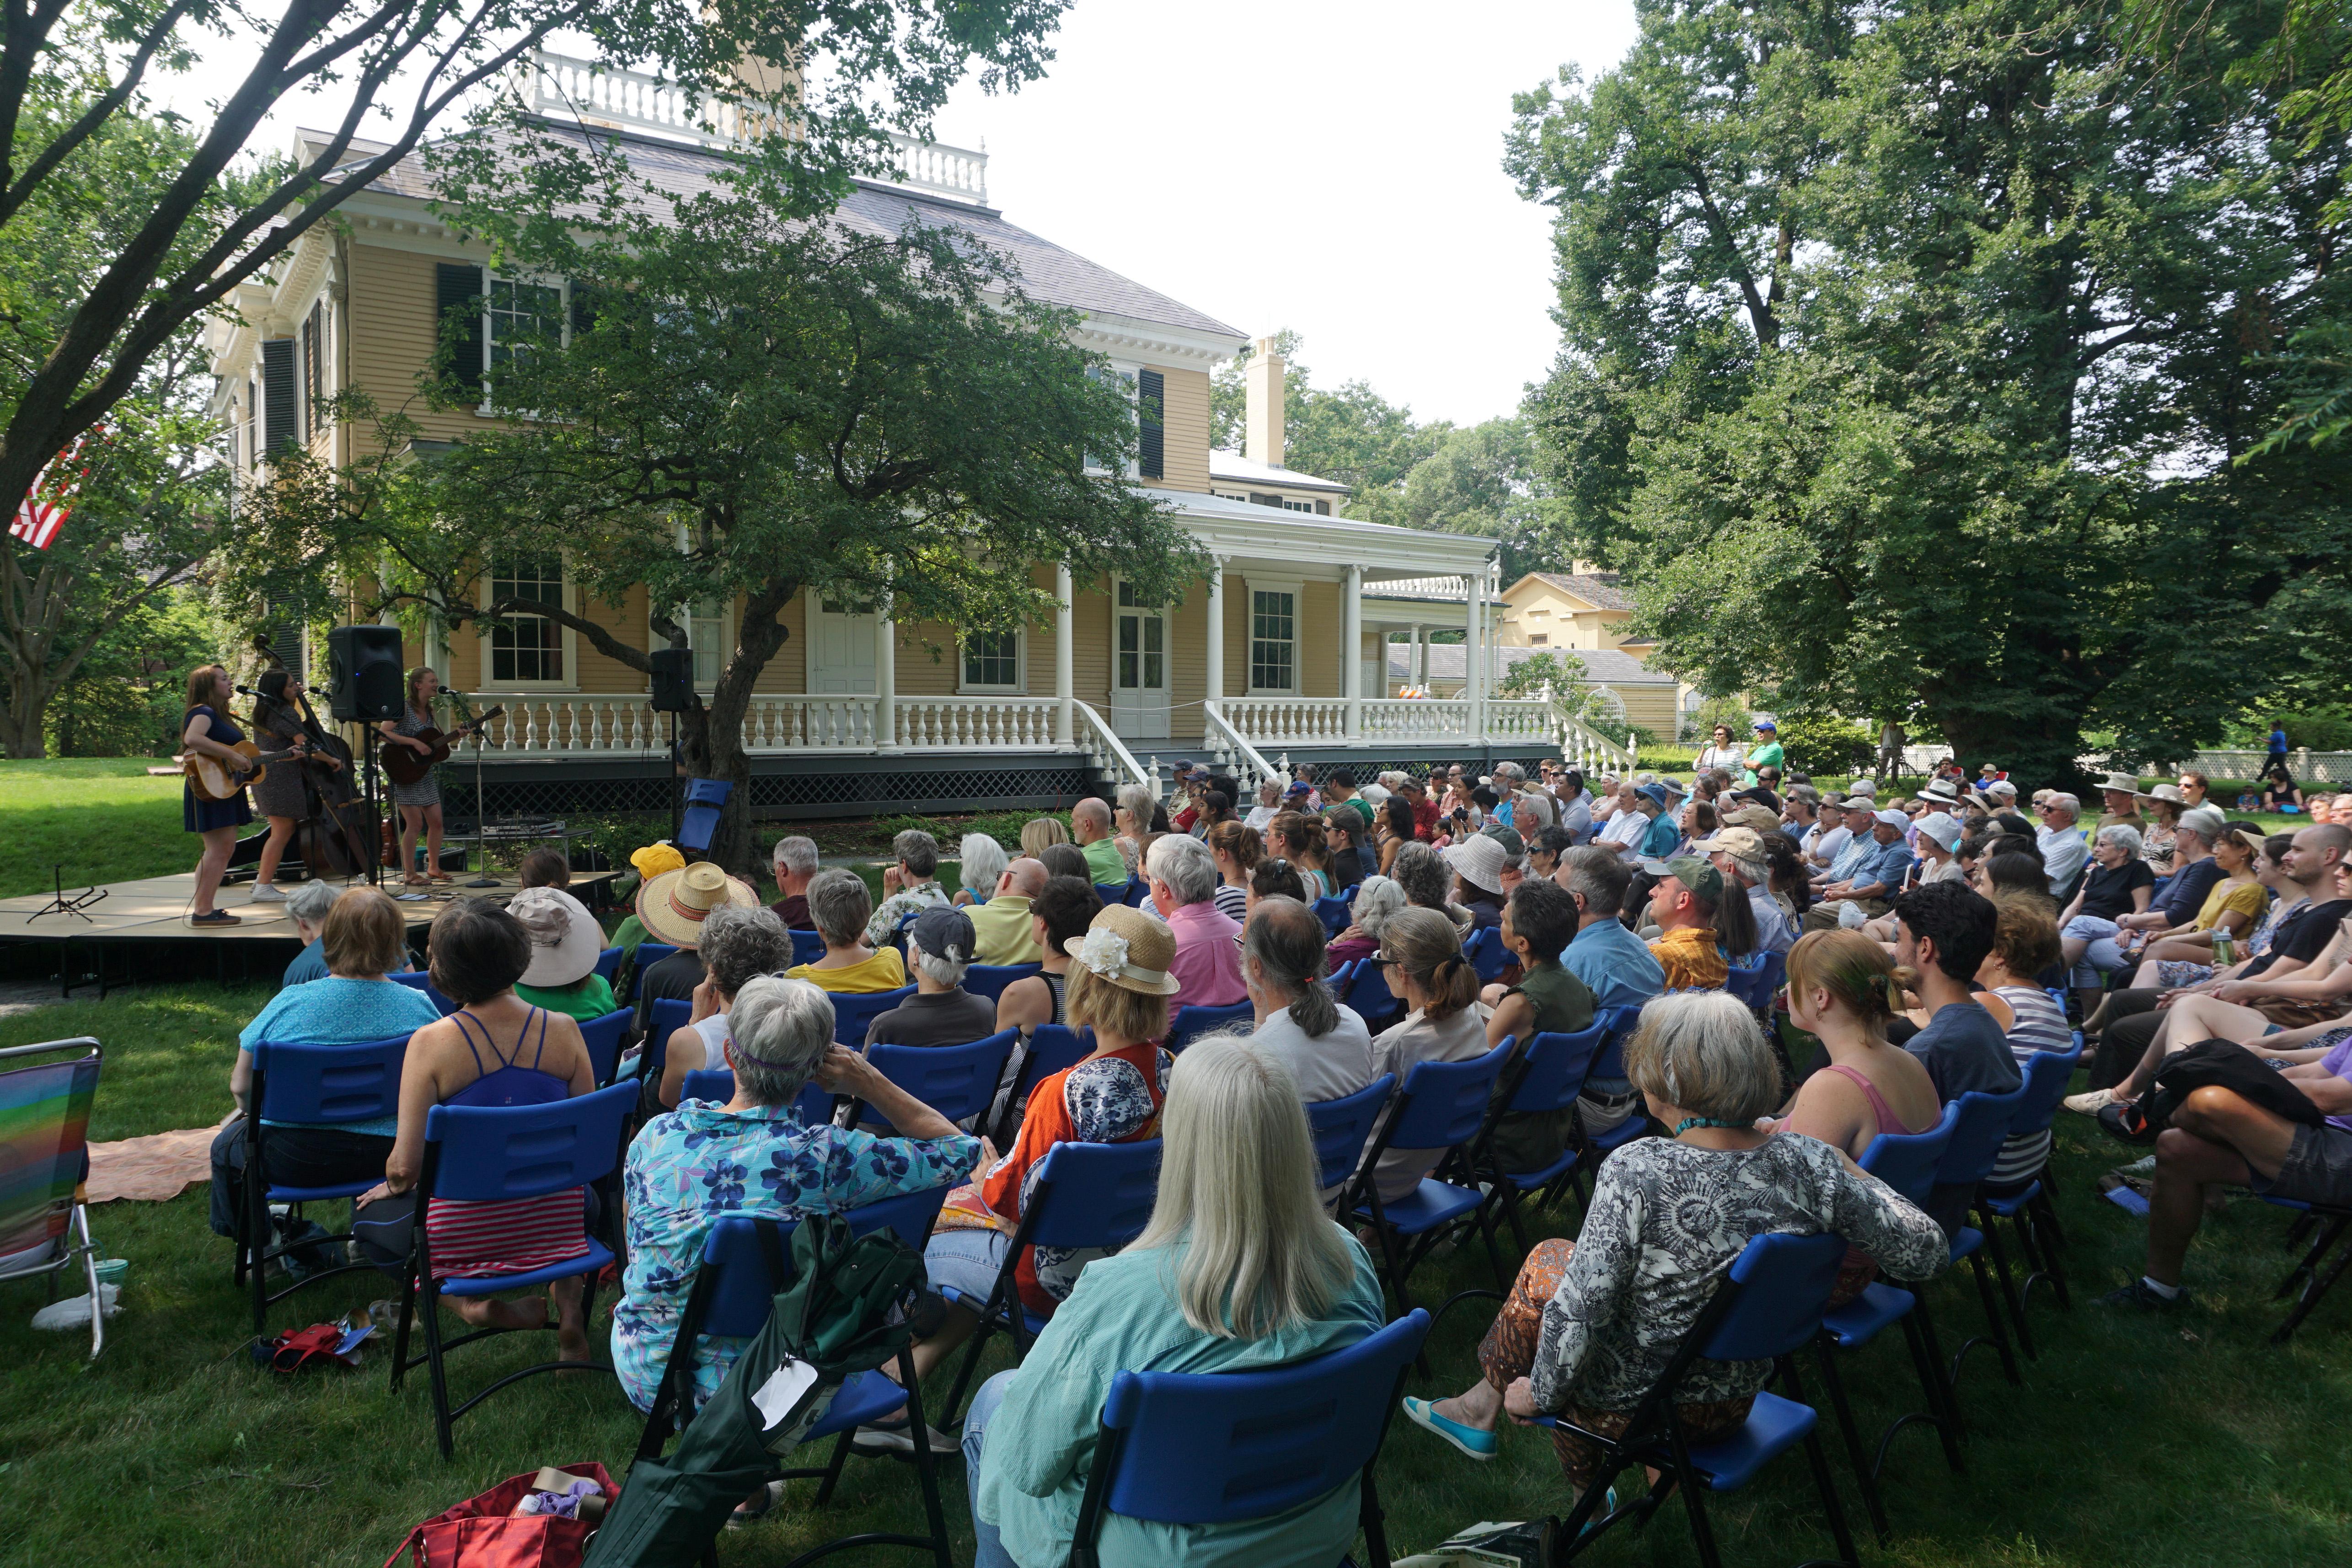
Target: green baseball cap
{"type": "Point", "coordinates": [1697, 875]}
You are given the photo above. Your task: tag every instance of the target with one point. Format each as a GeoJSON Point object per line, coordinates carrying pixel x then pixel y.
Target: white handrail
{"type": "Point", "coordinates": [1229, 746]}
{"type": "Point", "coordinates": [1587, 747]}
{"type": "Point", "coordinates": [1106, 748]}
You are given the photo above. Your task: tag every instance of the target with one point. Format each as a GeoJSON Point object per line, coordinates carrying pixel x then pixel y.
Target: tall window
{"type": "Point", "coordinates": [706, 633]}
{"type": "Point", "coordinates": [528, 647]}
{"type": "Point", "coordinates": [518, 311]}
{"type": "Point", "coordinates": [1142, 644]}
{"type": "Point", "coordinates": [992, 661]}
{"type": "Point", "coordinates": [1274, 632]}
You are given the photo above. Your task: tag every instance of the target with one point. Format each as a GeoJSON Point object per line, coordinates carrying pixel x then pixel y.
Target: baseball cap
{"type": "Point", "coordinates": [1892, 818]}
{"type": "Point", "coordinates": [1765, 723]}
{"type": "Point", "coordinates": [1509, 837]}
{"type": "Point", "coordinates": [1742, 841]}
{"type": "Point", "coordinates": [944, 932]}
{"type": "Point", "coordinates": [1697, 875]}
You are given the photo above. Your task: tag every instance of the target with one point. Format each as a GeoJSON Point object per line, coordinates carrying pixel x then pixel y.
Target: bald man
{"type": "Point", "coordinates": [1003, 931]}
{"type": "Point", "coordinates": [1090, 824]}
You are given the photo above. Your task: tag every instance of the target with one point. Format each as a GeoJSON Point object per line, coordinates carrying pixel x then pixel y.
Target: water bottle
{"type": "Point", "coordinates": [2225, 950]}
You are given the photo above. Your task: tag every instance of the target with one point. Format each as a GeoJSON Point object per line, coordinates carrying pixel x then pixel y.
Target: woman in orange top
{"type": "Point", "coordinates": [1118, 983]}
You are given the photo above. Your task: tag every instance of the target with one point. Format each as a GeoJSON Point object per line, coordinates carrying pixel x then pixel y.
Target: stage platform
{"type": "Point", "coordinates": [152, 912]}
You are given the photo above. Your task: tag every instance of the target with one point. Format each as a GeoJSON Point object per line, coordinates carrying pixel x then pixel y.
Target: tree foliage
{"type": "Point", "coordinates": [1912, 355]}
{"type": "Point", "coordinates": [747, 406]}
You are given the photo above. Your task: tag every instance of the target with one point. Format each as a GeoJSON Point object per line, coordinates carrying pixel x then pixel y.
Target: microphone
{"type": "Point", "coordinates": [248, 691]}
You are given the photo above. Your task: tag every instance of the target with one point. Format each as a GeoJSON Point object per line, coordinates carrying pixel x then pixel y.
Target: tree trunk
{"type": "Point", "coordinates": [24, 720]}
{"type": "Point", "coordinates": [712, 737]}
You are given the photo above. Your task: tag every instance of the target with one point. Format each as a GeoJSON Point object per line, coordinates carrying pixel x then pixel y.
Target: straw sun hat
{"type": "Point", "coordinates": [1128, 948]}
{"type": "Point", "coordinates": [673, 904]}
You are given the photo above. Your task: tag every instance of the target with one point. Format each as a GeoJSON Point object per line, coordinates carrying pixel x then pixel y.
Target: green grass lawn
{"type": "Point", "coordinates": [102, 817]}
{"type": "Point", "coordinates": [2136, 1443]}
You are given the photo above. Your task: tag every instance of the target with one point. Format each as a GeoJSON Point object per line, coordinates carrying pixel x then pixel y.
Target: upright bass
{"type": "Point", "coordinates": [332, 837]}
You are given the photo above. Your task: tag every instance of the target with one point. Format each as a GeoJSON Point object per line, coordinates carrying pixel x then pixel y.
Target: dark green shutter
{"type": "Point", "coordinates": [1151, 429]}
{"type": "Point", "coordinates": [584, 307]}
{"type": "Point", "coordinates": [458, 290]}
{"type": "Point", "coordinates": [278, 401]}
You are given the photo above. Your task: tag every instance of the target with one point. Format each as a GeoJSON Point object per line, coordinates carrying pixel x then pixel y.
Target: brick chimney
{"type": "Point", "coordinates": [1262, 381]}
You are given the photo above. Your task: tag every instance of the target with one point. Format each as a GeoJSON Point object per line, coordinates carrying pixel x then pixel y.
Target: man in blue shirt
{"type": "Point", "coordinates": [1875, 879]}
{"type": "Point", "coordinates": [1614, 964]}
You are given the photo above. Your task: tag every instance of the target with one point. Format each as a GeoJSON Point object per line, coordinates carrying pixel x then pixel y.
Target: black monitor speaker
{"type": "Point", "coordinates": [363, 673]}
{"type": "Point", "coordinates": [673, 672]}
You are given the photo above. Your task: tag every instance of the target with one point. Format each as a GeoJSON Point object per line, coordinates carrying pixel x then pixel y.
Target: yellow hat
{"type": "Point", "coordinates": [656, 859]}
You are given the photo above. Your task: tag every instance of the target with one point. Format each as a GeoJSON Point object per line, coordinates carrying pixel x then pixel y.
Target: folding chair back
{"type": "Point", "coordinates": [44, 1134]}
{"type": "Point", "coordinates": [1745, 980]}
{"type": "Point", "coordinates": [1983, 1127]}
{"type": "Point", "coordinates": [1333, 913]}
{"type": "Point", "coordinates": [669, 1016]}
{"type": "Point", "coordinates": [2046, 1076]}
{"type": "Point", "coordinates": [1907, 1161]}
{"type": "Point", "coordinates": [1092, 1195]}
{"type": "Point", "coordinates": [1344, 976]}
{"type": "Point", "coordinates": [480, 1154]}
{"type": "Point", "coordinates": [608, 963]}
{"type": "Point", "coordinates": [716, 1084]}
{"type": "Point", "coordinates": [1557, 1065]}
{"type": "Point", "coordinates": [418, 979]}
{"type": "Point", "coordinates": [1617, 1025]}
{"type": "Point", "coordinates": [1783, 1286]}
{"type": "Point", "coordinates": [705, 797]}
{"type": "Point", "coordinates": [1224, 1446]}
{"type": "Point", "coordinates": [327, 1084]}
{"type": "Point", "coordinates": [648, 954]}
{"type": "Point", "coordinates": [1341, 1127]}
{"type": "Point", "coordinates": [1191, 1023]}
{"type": "Point", "coordinates": [990, 980]}
{"type": "Point", "coordinates": [1487, 953]}
{"type": "Point", "coordinates": [956, 1080]}
{"type": "Point", "coordinates": [602, 1037]}
{"type": "Point", "coordinates": [742, 1293]}
{"type": "Point", "coordinates": [1369, 994]}
{"type": "Point", "coordinates": [1445, 1101]}
{"type": "Point", "coordinates": [1052, 1048]}
{"type": "Point", "coordinates": [853, 1011]}
{"type": "Point", "coordinates": [1135, 895]}
{"type": "Point", "coordinates": [807, 946]}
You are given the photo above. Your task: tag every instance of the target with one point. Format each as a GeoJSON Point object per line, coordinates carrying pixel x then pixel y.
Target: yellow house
{"type": "Point", "coordinates": [1583, 609]}
{"type": "Point", "coordinates": [1271, 656]}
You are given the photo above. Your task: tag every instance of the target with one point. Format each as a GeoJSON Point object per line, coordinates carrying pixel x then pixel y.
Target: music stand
{"type": "Point", "coordinates": [61, 904]}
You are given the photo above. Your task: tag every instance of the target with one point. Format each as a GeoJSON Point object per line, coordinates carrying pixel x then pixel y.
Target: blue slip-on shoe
{"type": "Point", "coordinates": [1471, 1443]}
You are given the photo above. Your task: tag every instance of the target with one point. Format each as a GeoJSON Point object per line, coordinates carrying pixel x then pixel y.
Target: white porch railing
{"type": "Point", "coordinates": [1415, 719]}
{"type": "Point", "coordinates": [1585, 747]}
{"type": "Point", "coordinates": [988, 724]}
{"type": "Point", "coordinates": [1243, 763]}
{"type": "Point", "coordinates": [1108, 753]}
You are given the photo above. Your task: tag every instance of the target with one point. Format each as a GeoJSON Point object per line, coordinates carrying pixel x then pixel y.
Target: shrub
{"type": "Point", "coordinates": [1822, 746]}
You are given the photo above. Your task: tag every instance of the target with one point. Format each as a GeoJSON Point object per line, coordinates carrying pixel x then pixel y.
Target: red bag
{"type": "Point", "coordinates": [486, 1532]}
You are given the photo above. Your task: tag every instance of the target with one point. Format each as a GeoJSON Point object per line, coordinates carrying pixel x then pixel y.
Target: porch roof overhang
{"type": "Point", "coordinates": [1323, 548]}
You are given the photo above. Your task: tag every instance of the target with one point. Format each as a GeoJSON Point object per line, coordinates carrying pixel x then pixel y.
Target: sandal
{"type": "Point", "coordinates": [440, 876]}
{"type": "Point", "coordinates": [414, 879]}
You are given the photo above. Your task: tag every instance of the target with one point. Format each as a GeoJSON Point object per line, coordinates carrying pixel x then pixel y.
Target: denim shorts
{"type": "Point", "coordinates": [966, 1262]}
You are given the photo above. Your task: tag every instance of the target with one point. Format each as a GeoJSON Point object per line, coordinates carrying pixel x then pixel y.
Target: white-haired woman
{"type": "Point", "coordinates": [738, 946]}
{"type": "Point", "coordinates": [981, 860]}
{"type": "Point", "coordinates": [754, 1155]}
{"type": "Point", "coordinates": [307, 907]}
{"type": "Point", "coordinates": [2120, 883]}
{"type": "Point", "coordinates": [1240, 1270]}
{"type": "Point", "coordinates": [1591, 1324]}
{"type": "Point", "coordinates": [1377, 898]}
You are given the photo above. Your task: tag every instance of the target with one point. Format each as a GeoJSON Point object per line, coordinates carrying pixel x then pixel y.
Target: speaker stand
{"type": "Point", "coordinates": [677, 801]}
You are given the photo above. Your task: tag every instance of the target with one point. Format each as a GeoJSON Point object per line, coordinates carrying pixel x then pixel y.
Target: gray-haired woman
{"type": "Point", "coordinates": [980, 861]}
{"type": "Point", "coordinates": [1591, 1324]}
{"type": "Point", "coordinates": [737, 947]}
{"type": "Point", "coordinates": [754, 1155]}
{"type": "Point", "coordinates": [306, 908]}
{"type": "Point", "coordinates": [1377, 898]}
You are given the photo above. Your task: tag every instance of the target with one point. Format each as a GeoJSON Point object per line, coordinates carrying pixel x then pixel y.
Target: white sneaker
{"type": "Point", "coordinates": [2090, 1103]}
{"type": "Point", "coordinates": [265, 893]}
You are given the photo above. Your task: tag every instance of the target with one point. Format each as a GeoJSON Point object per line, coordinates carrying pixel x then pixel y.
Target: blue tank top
{"type": "Point", "coordinates": [509, 1083]}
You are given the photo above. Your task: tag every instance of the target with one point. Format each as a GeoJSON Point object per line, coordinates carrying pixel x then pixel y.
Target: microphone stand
{"type": "Point", "coordinates": [482, 877]}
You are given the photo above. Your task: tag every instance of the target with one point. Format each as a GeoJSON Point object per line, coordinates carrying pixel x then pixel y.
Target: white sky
{"type": "Point", "coordinates": [1333, 166]}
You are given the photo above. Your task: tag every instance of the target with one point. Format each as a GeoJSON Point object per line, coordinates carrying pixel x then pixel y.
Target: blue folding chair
{"type": "Point", "coordinates": [1341, 1128]}
{"type": "Point", "coordinates": [1443, 1105]}
{"type": "Point", "coordinates": [44, 1108]}
{"type": "Point", "coordinates": [1333, 912]}
{"type": "Point", "coordinates": [853, 1011]}
{"type": "Point", "coordinates": [486, 1153]}
{"type": "Point", "coordinates": [1487, 953]}
{"type": "Point", "coordinates": [1084, 1195]}
{"type": "Point", "coordinates": [747, 1261]}
{"type": "Point", "coordinates": [1191, 1023]}
{"type": "Point", "coordinates": [957, 1081]}
{"type": "Point", "coordinates": [1051, 1047]}
{"type": "Point", "coordinates": [602, 1037]}
{"type": "Point", "coordinates": [1977, 1137]}
{"type": "Point", "coordinates": [716, 1084]}
{"type": "Point", "coordinates": [1135, 895]}
{"type": "Point", "coordinates": [418, 980]}
{"type": "Point", "coordinates": [1544, 1081]}
{"type": "Point", "coordinates": [2325, 1225]}
{"type": "Point", "coordinates": [2029, 1208]}
{"type": "Point", "coordinates": [1754, 979]}
{"type": "Point", "coordinates": [990, 980]}
{"type": "Point", "coordinates": [320, 1085]}
{"type": "Point", "coordinates": [705, 797]}
{"type": "Point", "coordinates": [1618, 1025]}
{"type": "Point", "coordinates": [1225, 1447]}
{"type": "Point", "coordinates": [807, 946]}
{"type": "Point", "coordinates": [1906, 1162]}
{"type": "Point", "coordinates": [1370, 996]}
{"type": "Point", "coordinates": [608, 963]}
{"type": "Point", "coordinates": [1769, 1306]}
{"type": "Point", "coordinates": [669, 1015]}
{"type": "Point", "coordinates": [648, 954]}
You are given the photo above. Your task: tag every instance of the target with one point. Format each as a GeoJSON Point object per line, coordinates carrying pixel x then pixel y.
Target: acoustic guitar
{"type": "Point", "coordinates": [405, 765]}
{"type": "Point", "coordinates": [214, 780]}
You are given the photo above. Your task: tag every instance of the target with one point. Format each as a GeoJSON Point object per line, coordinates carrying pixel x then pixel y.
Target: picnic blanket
{"type": "Point", "coordinates": [153, 1169]}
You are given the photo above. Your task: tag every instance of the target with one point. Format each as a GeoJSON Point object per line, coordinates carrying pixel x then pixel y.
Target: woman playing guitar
{"type": "Point", "coordinates": [282, 794]}
{"type": "Point", "coordinates": [419, 804]}
{"type": "Point", "coordinates": [207, 731]}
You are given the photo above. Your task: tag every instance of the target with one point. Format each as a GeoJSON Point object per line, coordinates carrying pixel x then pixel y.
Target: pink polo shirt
{"type": "Point", "coordinates": [1208, 962]}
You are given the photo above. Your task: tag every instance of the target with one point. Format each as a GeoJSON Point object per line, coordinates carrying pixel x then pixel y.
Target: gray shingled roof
{"type": "Point", "coordinates": [1049, 272]}
{"type": "Point", "coordinates": [1607, 666]}
{"type": "Point", "coordinates": [1602, 592]}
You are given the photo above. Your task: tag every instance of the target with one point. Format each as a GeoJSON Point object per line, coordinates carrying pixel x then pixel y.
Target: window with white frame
{"type": "Point", "coordinates": [706, 633]}
{"type": "Point", "coordinates": [992, 662]}
{"type": "Point", "coordinates": [1273, 640]}
{"type": "Point", "coordinates": [514, 312]}
{"type": "Point", "coordinates": [1125, 380]}
{"type": "Point", "coordinates": [527, 648]}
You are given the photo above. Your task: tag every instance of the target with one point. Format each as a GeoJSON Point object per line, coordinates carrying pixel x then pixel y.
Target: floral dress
{"type": "Point", "coordinates": [691, 1166]}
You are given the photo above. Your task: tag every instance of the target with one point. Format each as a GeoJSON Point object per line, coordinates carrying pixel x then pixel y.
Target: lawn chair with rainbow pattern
{"type": "Point", "coordinates": [44, 1135]}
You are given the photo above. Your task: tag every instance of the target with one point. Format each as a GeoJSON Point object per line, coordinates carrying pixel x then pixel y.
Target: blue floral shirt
{"type": "Point", "coordinates": [687, 1167]}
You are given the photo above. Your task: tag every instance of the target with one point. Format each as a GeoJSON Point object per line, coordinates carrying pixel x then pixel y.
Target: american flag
{"type": "Point", "coordinates": [40, 516]}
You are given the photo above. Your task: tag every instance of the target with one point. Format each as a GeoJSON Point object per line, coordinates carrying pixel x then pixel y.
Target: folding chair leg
{"type": "Point", "coordinates": [2000, 1250]}
{"type": "Point", "coordinates": [1934, 1389]}
{"type": "Point", "coordinates": [2300, 1275]}
{"type": "Point", "coordinates": [964, 1371]}
{"type": "Point", "coordinates": [2041, 1251]}
{"type": "Point", "coordinates": [1694, 1499]}
{"type": "Point", "coordinates": [1816, 1457]}
{"type": "Point", "coordinates": [400, 1334]}
{"type": "Point", "coordinates": [1996, 1331]}
{"type": "Point", "coordinates": [1946, 1390]}
{"type": "Point", "coordinates": [89, 1272]}
{"type": "Point", "coordinates": [440, 1376]}
{"type": "Point", "coordinates": [1863, 1474]}
{"type": "Point", "coordinates": [927, 1465]}
{"type": "Point", "coordinates": [2319, 1285]}
{"type": "Point", "coordinates": [840, 1456]}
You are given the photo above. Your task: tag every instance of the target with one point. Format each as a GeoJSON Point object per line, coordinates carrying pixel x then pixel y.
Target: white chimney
{"type": "Point", "coordinates": [1262, 381]}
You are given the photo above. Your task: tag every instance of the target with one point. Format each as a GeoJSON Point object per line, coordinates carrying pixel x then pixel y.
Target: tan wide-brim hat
{"type": "Point", "coordinates": [564, 937]}
{"type": "Point", "coordinates": [1128, 948]}
{"type": "Point", "coordinates": [673, 905]}
{"type": "Point", "coordinates": [2120, 783]}
{"type": "Point", "coordinates": [2161, 792]}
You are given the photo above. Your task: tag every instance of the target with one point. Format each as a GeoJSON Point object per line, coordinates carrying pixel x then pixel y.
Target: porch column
{"type": "Point", "coordinates": [885, 675]}
{"type": "Point", "coordinates": [1214, 682]}
{"type": "Point", "coordinates": [1416, 662]}
{"type": "Point", "coordinates": [1351, 641]}
{"type": "Point", "coordinates": [1473, 656]}
{"type": "Point", "coordinates": [1064, 716]}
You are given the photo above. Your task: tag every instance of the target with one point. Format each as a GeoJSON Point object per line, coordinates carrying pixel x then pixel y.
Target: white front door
{"type": "Point", "coordinates": [1139, 668]}
{"type": "Point", "coordinates": [840, 650]}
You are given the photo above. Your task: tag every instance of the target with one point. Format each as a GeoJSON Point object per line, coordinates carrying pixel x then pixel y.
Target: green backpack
{"type": "Point", "coordinates": [833, 1320]}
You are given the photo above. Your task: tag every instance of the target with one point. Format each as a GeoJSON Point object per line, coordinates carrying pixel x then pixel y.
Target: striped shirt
{"type": "Point", "coordinates": [2038, 1025]}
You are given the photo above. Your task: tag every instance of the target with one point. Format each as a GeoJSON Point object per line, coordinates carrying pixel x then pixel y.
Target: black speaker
{"type": "Point", "coordinates": [673, 671]}
{"type": "Point", "coordinates": [363, 673]}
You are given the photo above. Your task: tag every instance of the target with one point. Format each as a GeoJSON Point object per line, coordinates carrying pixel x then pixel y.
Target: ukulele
{"type": "Point", "coordinates": [405, 765]}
